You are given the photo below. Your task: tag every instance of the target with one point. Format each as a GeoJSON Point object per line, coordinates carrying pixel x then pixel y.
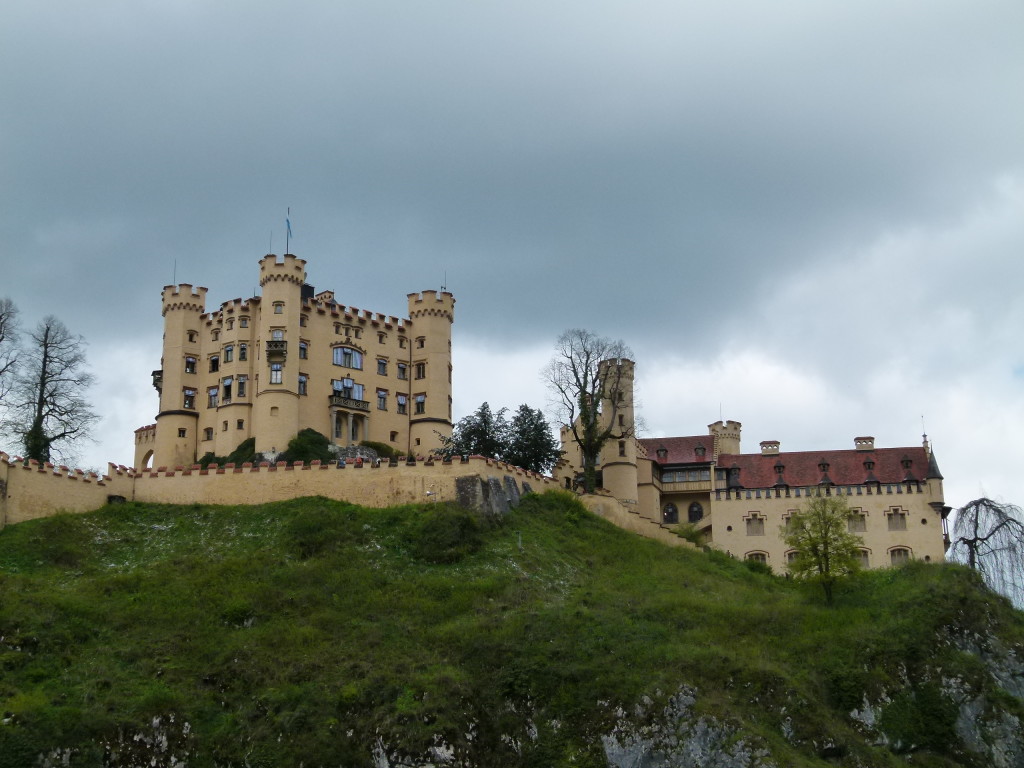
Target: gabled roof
{"type": "Point", "coordinates": [844, 467]}
{"type": "Point", "coordinates": [679, 450]}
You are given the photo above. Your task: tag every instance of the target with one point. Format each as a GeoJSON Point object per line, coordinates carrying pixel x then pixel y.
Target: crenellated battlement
{"type": "Point", "coordinates": [432, 303]}
{"type": "Point", "coordinates": [286, 268]}
{"type": "Point", "coordinates": [184, 296]}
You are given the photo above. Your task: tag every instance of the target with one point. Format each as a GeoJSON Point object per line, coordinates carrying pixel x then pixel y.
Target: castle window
{"type": "Point", "coordinates": [403, 371]}
{"type": "Point", "coordinates": [240, 424]}
{"type": "Point", "coordinates": [277, 334]}
{"type": "Point", "coordinates": [227, 389]}
{"type": "Point", "coordinates": [857, 522]}
{"type": "Point", "coordinates": [190, 365]}
{"type": "Point", "coordinates": [402, 400]}
{"type": "Point", "coordinates": [696, 512]}
{"type": "Point", "coordinates": [757, 557]}
{"type": "Point", "coordinates": [791, 557]}
{"type": "Point", "coordinates": [208, 433]}
{"type": "Point", "coordinates": [192, 337]}
{"type": "Point", "coordinates": [449, 374]}
{"type": "Point", "coordinates": [189, 399]}
{"type": "Point", "coordinates": [241, 385]}
{"type": "Point", "coordinates": [622, 447]}
{"type": "Point", "coordinates": [381, 338]}
{"type": "Point", "coordinates": [276, 373]}
{"type": "Point", "coordinates": [394, 437]}
{"type": "Point", "coordinates": [897, 520]}
{"type": "Point", "coordinates": [278, 307]}
{"type": "Point", "coordinates": [622, 420]}
{"type": "Point", "coordinates": [211, 397]}
{"type": "Point", "coordinates": [421, 370]}
{"type": "Point", "coordinates": [303, 384]}
{"type": "Point", "coordinates": [243, 352]}
{"type": "Point", "coordinates": [382, 367]}
{"type": "Point", "coordinates": [215, 335]}
{"type": "Point", "coordinates": [899, 555]}
{"type": "Point", "coordinates": [347, 357]}
{"type": "Point", "coordinates": [231, 323]}
{"type": "Point", "coordinates": [401, 342]}
{"type": "Point", "coordinates": [229, 353]}
{"type": "Point", "coordinates": [670, 514]}
{"type": "Point", "coordinates": [862, 558]}
{"type": "Point", "coordinates": [382, 399]}
{"type": "Point", "coordinates": [303, 350]}
{"type": "Point", "coordinates": [303, 320]}
{"type": "Point", "coordinates": [214, 364]}
{"type": "Point", "coordinates": [755, 525]}
{"type": "Point", "coordinates": [421, 403]}
{"type": "Point", "coordinates": [243, 322]}
{"type": "Point", "coordinates": [224, 426]}
{"type": "Point", "coordinates": [182, 432]}
{"type": "Point", "coordinates": [420, 342]}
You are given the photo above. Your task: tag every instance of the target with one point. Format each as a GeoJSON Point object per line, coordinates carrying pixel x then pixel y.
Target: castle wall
{"type": "Point", "coordinates": [39, 491]}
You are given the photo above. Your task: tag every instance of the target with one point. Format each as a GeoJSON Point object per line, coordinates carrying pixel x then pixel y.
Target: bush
{"type": "Point", "coordinates": [309, 445]}
{"type": "Point", "coordinates": [383, 450]}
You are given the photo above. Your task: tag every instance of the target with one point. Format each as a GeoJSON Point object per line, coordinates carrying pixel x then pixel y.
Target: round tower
{"type": "Point", "coordinates": [431, 315]}
{"type": "Point", "coordinates": [618, 456]}
{"type": "Point", "coordinates": [275, 414]}
{"type": "Point", "coordinates": [177, 381]}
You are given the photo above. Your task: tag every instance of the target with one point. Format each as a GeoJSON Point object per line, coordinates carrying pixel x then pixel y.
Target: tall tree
{"type": "Point", "coordinates": [47, 410]}
{"type": "Point", "coordinates": [825, 549]}
{"type": "Point", "coordinates": [989, 537]}
{"type": "Point", "coordinates": [8, 344]}
{"type": "Point", "coordinates": [531, 443]}
{"type": "Point", "coordinates": [590, 389]}
{"type": "Point", "coordinates": [482, 433]}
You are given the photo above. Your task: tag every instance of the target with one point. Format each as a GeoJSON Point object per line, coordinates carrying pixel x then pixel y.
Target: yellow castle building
{"type": "Point", "coordinates": [740, 502]}
{"type": "Point", "coordinates": [294, 358]}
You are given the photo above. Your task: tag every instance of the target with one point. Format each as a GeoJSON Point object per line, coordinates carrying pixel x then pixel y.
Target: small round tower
{"type": "Point", "coordinates": [276, 407]}
{"type": "Point", "coordinates": [431, 315]}
{"type": "Point", "coordinates": [177, 381]}
{"type": "Point", "coordinates": [618, 457]}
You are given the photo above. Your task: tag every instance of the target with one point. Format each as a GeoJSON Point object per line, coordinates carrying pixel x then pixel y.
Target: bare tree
{"type": "Point", "coordinates": [8, 344]}
{"type": "Point", "coordinates": [590, 387]}
{"type": "Point", "coordinates": [989, 537]}
{"type": "Point", "coordinates": [47, 410]}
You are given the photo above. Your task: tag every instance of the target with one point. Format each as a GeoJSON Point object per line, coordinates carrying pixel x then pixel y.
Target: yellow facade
{"type": "Point", "coordinates": [740, 502]}
{"type": "Point", "coordinates": [294, 358]}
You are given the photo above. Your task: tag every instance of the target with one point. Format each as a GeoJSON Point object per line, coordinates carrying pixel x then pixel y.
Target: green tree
{"type": "Point", "coordinates": [825, 549]}
{"type": "Point", "coordinates": [482, 433]}
{"type": "Point", "coordinates": [590, 388]}
{"type": "Point", "coordinates": [531, 443]}
{"type": "Point", "coordinates": [47, 410]}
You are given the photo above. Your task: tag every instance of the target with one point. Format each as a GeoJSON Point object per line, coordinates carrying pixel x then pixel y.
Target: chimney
{"type": "Point", "coordinates": [864, 443]}
{"type": "Point", "coordinates": [769, 447]}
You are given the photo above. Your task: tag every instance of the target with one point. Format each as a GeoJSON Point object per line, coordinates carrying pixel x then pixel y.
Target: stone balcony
{"type": "Point", "coordinates": [340, 401]}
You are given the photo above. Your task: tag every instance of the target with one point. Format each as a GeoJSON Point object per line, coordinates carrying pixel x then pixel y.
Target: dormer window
{"type": "Point", "coordinates": [700, 450]}
{"type": "Point", "coordinates": [779, 468]}
{"type": "Point", "coordinates": [869, 465]}
{"type": "Point", "coordinates": [662, 454]}
{"type": "Point", "coordinates": [823, 466]}
{"type": "Point", "coordinates": [906, 462]}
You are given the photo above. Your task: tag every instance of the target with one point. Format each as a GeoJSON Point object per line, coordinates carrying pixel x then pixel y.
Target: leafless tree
{"type": "Point", "coordinates": [47, 411]}
{"type": "Point", "coordinates": [989, 537]}
{"type": "Point", "coordinates": [589, 388]}
{"type": "Point", "coordinates": [8, 344]}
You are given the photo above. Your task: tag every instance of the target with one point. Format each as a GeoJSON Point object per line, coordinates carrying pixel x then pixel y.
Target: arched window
{"type": "Point", "coordinates": [757, 557]}
{"type": "Point", "coordinates": [348, 358]}
{"type": "Point", "coordinates": [899, 555]}
{"type": "Point", "coordinates": [695, 513]}
{"type": "Point", "coordinates": [670, 514]}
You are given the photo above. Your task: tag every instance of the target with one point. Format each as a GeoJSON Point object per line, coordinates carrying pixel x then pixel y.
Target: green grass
{"type": "Point", "coordinates": [297, 632]}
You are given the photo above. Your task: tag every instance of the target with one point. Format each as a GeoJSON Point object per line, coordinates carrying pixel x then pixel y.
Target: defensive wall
{"type": "Point", "coordinates": [30, 490]}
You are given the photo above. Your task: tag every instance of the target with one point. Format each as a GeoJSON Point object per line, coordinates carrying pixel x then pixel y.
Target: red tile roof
{"type": "Point", "coordinates": [843, 467]}
{"type": "Point", "coordinates": [681, 450]}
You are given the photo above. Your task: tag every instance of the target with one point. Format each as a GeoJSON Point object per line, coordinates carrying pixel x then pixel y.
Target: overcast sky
{"type": "Point", "coordinates": [804, 215]}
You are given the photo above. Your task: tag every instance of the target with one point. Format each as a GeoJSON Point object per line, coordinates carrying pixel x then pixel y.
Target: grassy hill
{"type": "Point", "coordinates": [315, 632]}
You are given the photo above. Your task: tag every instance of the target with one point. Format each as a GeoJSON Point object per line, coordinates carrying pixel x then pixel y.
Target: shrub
{"type": "Point", "coordinates": [383, 450]}
{"type": "Point", "coordinates": [309, 445]}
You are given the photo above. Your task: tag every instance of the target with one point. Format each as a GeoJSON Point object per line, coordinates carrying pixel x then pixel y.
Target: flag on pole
{"type": "Point", "coordinates": [288, 223]}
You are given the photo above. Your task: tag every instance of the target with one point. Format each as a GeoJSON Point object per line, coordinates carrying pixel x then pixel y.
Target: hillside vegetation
{"type": "Point", "coordinates": [320, 633]}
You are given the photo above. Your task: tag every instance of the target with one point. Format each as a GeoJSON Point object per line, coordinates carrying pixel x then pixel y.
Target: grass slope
{"type": "Point", "coordinates": [302, 632]}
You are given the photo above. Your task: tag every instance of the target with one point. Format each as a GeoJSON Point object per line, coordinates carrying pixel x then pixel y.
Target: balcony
{"type": "Point", "coordinates": [277, 350]}
{"type": "Point", "coordinates": [340, 401]}
{"type": "Point", "coordinates": [158, 381]}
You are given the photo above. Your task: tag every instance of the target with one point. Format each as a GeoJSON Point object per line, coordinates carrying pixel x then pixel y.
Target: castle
{"type": "Point", "coordinates": [740, 502]}
{"type": "Point", "coordinates": [290, 359]}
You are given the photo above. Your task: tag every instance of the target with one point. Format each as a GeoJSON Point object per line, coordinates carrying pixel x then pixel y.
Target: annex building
{"type": "Point", "coordinates": [292, 358]}
{"type": "Point", "coordinates": [740, 502]}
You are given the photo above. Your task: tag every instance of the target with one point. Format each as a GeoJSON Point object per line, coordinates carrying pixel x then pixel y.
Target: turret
{"type": "Point", "coordinates": [429, 330]}
{"type": "Point", "coordinates": [727, 437]}
{"type": "Point", "coordinates": [276, 407]}
{"type": "Point", "coordinates": [618, 457]}
{"type": "Point", "coordinates": [177, 380]}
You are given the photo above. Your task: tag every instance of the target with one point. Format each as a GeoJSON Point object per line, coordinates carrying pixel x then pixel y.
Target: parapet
{"type": "Point", "coordinates": [288, 268]}
{"type": "Point", "coordinates": [183, 296]}
{"type": "Point", "coordinates": [432, 303]}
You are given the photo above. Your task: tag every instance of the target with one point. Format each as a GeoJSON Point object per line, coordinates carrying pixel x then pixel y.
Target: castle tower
{"type": "Point", "coordinates": [431, 315]}
{"type": "Point", "coordinates": [618, 457]}
{"type": "Point", "coordinates": [727, 437]}
{"type": "Point", "coordinates": [276, 406]}
{"type": "Point", "coordinates": [178, 381]}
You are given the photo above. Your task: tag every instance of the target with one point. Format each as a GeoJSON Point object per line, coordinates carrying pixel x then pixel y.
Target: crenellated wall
{"type": "Point", "coordinates": [32, 490]}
